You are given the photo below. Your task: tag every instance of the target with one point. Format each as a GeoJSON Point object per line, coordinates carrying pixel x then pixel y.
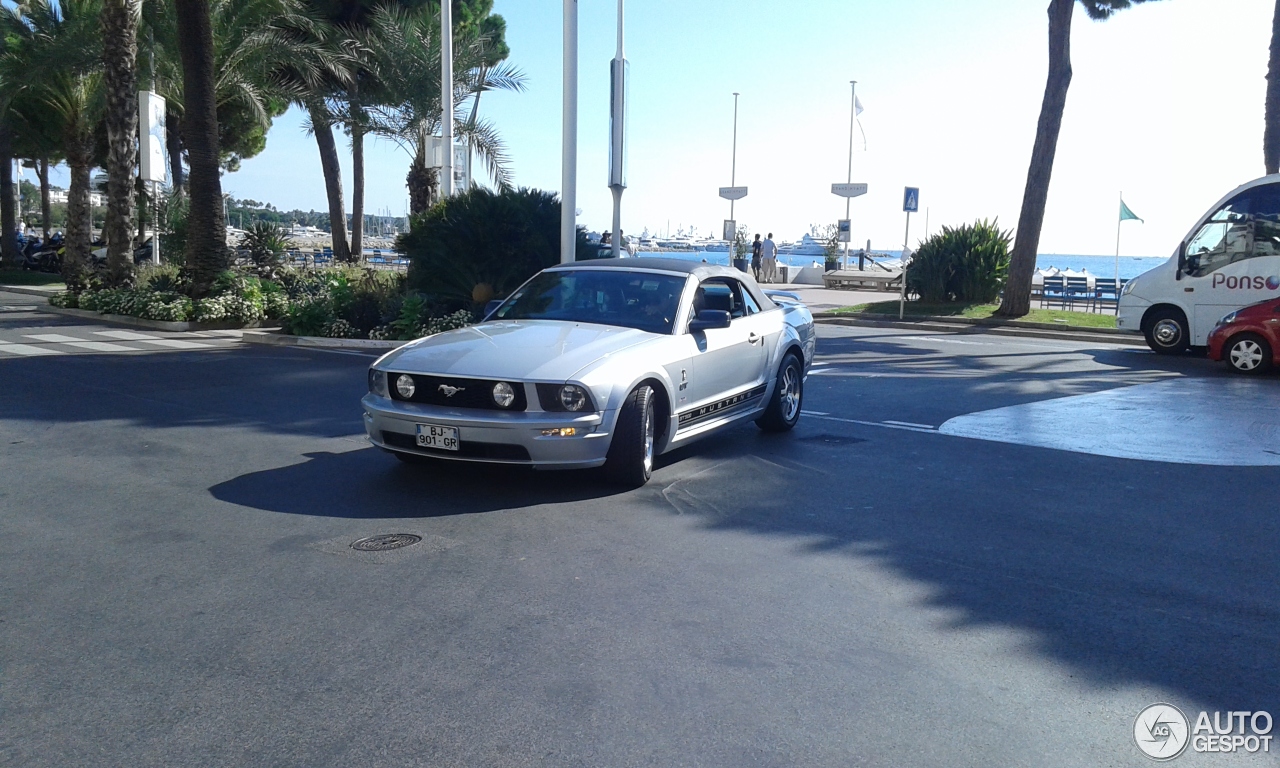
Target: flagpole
{"type": "Point", "coordinates": [1119, 221]}
{"type": "Point", "coordinates": [853, 115]}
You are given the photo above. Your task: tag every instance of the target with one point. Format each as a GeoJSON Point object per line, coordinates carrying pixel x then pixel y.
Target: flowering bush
{"type": "Point", "coordinates": [135, 302]}
{"type": "Point", "coordinates": [68, 300]}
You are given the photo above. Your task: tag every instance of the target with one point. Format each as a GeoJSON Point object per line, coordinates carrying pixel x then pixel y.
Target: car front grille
{"type": "Point", "coordinates": [467, 393]}
{"type": "Point", "coordinates": [467, 449]}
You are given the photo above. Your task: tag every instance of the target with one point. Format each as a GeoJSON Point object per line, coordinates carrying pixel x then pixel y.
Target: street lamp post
{"type": "Point", "coordinates": [569, 137]}
{"type": "Point", "coordinates": [733, 169]}
{"type": "Point", "coordinates": [618, 134]}
{"type": "Point", "coordinates": [446, 96]}
{"type": "Point", "coordinates": [853, 113]}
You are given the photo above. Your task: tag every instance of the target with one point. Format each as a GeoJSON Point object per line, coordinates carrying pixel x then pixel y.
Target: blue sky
{"type": "Point", "coordinates": [1166, 104]}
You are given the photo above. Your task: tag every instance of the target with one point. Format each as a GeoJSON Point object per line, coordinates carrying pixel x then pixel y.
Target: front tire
{"type": "Point", "coordinates": [1167, 332]}
{"type": "Point", "coordinates": [632, 450]}
{"type": "Point", "coordinates": [1247, 353]}
{"type": "Point", "coordinates": [783, 410]}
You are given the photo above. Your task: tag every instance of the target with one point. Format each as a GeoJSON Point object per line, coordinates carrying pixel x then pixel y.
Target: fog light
{"type": "Point", "coordinates": [561, 432]}
{"type": "Point", "coordinates": [504, 394]}
{"type": "Point", "coordinates": [405, 386]}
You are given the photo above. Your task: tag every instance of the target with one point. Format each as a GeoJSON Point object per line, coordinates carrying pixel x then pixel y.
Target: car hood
{"type": "Point", "coordinates": [543, 350]}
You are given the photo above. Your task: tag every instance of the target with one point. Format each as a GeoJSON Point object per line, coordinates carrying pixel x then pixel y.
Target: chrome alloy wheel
{"type": "Point", "coordinates": [790, 392]}
{"type": "Point", "coordinates": [1167, 332]}
{"type": "Point", "coordinates": [648, 439]}
{"type": "Point", "coordinates": [1246, 355]}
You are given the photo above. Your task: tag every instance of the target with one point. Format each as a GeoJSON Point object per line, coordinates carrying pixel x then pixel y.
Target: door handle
{"type": "Point", "coordinates": [753, 337]}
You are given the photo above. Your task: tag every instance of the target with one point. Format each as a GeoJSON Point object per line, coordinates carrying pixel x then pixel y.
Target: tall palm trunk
{"type": "Point", "coordinates": [9, 254]}
{"type": "Point", "coordinates": [75, 259]}
{"type": "Point", "coordinates": [357, 192]}
{"type": "Point", "coordinates": [1271, 136]}
{"type": "Point", "coordinates": [173, 145]}
{"type": "Point", "coordinates": [206, 229]}
{"type": "Point", "coordinates": [46, 205]}
{"type": "Point", "coordinates": [423, 183]}
{"type": "Point", "coordinates": [119, 56]}
{"type": "Point", "coordinates": [332, 182]}
{"type": "Point", "coordinates": [1017, 290]}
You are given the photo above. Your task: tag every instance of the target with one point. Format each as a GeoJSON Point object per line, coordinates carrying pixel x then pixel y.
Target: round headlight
{"type": "Point", "coordinates": [404, 385]}
{"type": "Point", "coordinates": [572, 398]}
{"type": "Point", "coordinates": [504, 394]}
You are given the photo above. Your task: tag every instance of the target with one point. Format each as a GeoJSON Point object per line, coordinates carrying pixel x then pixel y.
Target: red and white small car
{"type": "Point", "coordinates": [1249, 338]}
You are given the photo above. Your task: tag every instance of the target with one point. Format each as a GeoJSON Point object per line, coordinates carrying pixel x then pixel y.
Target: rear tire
{"type": "Point", "coordinates": [783, 410]}
{"type": "Point", "coordinates": [632, 450]}
{"type": "Point", "coordinates": [1247, 353]}
{"type": "Point", "coordinates": [1167, 332]}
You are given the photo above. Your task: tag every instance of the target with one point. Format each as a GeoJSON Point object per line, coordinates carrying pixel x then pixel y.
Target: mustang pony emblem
{"type": "Point", "coordinates": [449, 391]}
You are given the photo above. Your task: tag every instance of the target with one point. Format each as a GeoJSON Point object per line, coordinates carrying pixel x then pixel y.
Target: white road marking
{"type": "Point", "coordinates": [101, 346]}
{"type": "Point", "coordinates": [126, 335]}
{"type": "Point", "coordinates": [52, 337]}
{"type": "Point", "coordinates": [909, 424]}
{"type": "Point", "coordinates": [13, 308]}
{"type": "Point", "coordinates": [28, 351]}
{"type": "Point", "coordinates": [816, 413]}
{"type": "Point", "coordinates": [175, 343]}
{"type": "Point", "coordinates": [883, 424]}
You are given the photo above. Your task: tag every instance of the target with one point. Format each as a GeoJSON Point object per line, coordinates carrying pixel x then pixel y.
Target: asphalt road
{"type": "Point", "coordinates": [177, 585]}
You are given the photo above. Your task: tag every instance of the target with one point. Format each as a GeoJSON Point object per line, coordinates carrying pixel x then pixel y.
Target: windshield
{"type": "Point", "coordinates": [608, 296]}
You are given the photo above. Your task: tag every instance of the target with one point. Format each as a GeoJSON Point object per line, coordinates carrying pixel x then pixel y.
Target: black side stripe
{"type": "Point", "coordinates": [712, 410]}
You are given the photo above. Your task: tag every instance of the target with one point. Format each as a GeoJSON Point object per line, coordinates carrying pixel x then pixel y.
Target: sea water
{"type": "Point", "coordinates": [1098, 266]}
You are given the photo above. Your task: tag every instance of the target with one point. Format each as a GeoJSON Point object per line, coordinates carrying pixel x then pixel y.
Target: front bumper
{"type": "Point", "coordinates": [1129, 313]}
{"type": "Point", "coordinates": [492, 437]}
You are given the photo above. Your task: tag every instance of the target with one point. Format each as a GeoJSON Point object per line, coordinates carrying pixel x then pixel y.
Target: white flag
{"type": "Point", "coordinates": [857, 105]}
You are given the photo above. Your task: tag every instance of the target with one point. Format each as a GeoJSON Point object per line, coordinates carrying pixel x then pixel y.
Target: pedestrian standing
{"type": "Point", "coordinates": [769, 259]}
{"type": "Point", "coordinates": [756, 255]}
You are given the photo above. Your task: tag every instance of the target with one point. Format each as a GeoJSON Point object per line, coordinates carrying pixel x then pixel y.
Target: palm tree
{"type": "Point", "coordinates": [406, 49]}
{"type": "Point", "coordinates": [9, 254]}
{"type": "Point", "coordinates": [54, 59]}
{"type": "Point", "coordinates": [206, 230]}
{"type": "Point", "coordinates": [1017, 290]}
{"type": "Point", "coordinates": [1271, 133]}
{"type": "Point", "coordinates": [119, 55]}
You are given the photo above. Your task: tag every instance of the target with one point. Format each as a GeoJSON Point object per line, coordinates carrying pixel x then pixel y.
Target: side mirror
{"type": "Point", "coordinates": [708, 319]}
{"type": "Point", "coordinates": [1182, 261]}
{"type": "Point", "coordinates": [491, 307]}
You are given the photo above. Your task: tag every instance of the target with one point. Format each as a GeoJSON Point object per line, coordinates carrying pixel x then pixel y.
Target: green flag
{"type": "Point", "coordinates": [1126, 214]}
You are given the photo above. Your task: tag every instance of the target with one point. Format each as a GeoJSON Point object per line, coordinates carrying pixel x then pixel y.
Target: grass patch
{"type": "Point", "coordinates": [981, 312]}
{"type": "Point", "coordinates": [23, 277]}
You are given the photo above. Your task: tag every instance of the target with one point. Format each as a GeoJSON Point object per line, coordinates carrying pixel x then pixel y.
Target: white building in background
{"type": "Point", "coordinates": [96, 199]}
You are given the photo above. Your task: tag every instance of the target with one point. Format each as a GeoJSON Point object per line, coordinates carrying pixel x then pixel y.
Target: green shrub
{"type": "Point", "coordinates": [479, 245]}
{"type": "Point", "coordinates": [266, 244]}
{"type": "Point", "coordinates": [308, 316]}
{"type": "Point", "coordinates": [965, 264]}
{"type": "Point", "coordinates": [173, 228]}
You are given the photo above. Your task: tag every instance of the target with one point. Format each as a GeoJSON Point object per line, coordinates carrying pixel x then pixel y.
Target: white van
{"type": "Point", "coordinates": [1230, 259]}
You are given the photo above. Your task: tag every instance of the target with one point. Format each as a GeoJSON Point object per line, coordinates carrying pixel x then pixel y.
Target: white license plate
{"type": "Point", "coordinates": [438, 437]}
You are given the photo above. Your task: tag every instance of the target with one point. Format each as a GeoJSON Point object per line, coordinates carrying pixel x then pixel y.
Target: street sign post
{"type": "Point", "coordinates": [849, 190]}
{"type": "Point", "coordinates": [733, 193]}
{"type": "Point", "coordinates": [910, 204]}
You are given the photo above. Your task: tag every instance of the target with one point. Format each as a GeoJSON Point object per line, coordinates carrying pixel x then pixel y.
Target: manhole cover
{"type": "Point", "coordinates": [832, 439]}
{"type": "Point", "coordinates": [385, 541]}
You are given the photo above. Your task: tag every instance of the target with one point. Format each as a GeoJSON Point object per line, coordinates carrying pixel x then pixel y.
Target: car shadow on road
{"type": "Point", "coordinates": [370, 484]}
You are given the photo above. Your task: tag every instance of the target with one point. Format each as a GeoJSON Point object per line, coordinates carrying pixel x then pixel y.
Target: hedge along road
{"type": "Point", "coordinates": [176, 537]}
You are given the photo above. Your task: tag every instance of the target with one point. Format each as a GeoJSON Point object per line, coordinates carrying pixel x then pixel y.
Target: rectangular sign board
{"type": "Point", "coordinates": [844, 231]}
{"type": "Point", "coordinates": [733, 193]}
{"type": "Point", "coordinates": [151, 112]}
{"type": "Point", "coordinates": [849, 190]}
{"type": "Point", "coordinates": [730, 229]}
{"type": "Point", "coordinates": [911, 199]}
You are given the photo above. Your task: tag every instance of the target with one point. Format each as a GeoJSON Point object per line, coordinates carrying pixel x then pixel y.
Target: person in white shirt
{"type": "Point", "coordinates": [769, 261]}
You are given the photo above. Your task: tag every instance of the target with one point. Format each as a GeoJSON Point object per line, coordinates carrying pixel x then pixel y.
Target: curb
{"type": "Point", "coordinates": [1002, 328]}
{"type": "Point", "coordinates": [138, 322]}
{"type": "Point", "coordinates": [31, 290]}
{"type": "Point", "coordinates": [273, 339]}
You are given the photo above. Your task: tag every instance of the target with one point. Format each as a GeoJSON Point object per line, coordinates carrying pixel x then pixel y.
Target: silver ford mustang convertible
{"type": "Point", "coordinates": [602, 363]}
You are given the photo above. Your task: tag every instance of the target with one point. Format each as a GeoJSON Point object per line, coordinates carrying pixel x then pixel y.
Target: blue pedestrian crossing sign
{"type": "Point", "coordinates": [911, 200]}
